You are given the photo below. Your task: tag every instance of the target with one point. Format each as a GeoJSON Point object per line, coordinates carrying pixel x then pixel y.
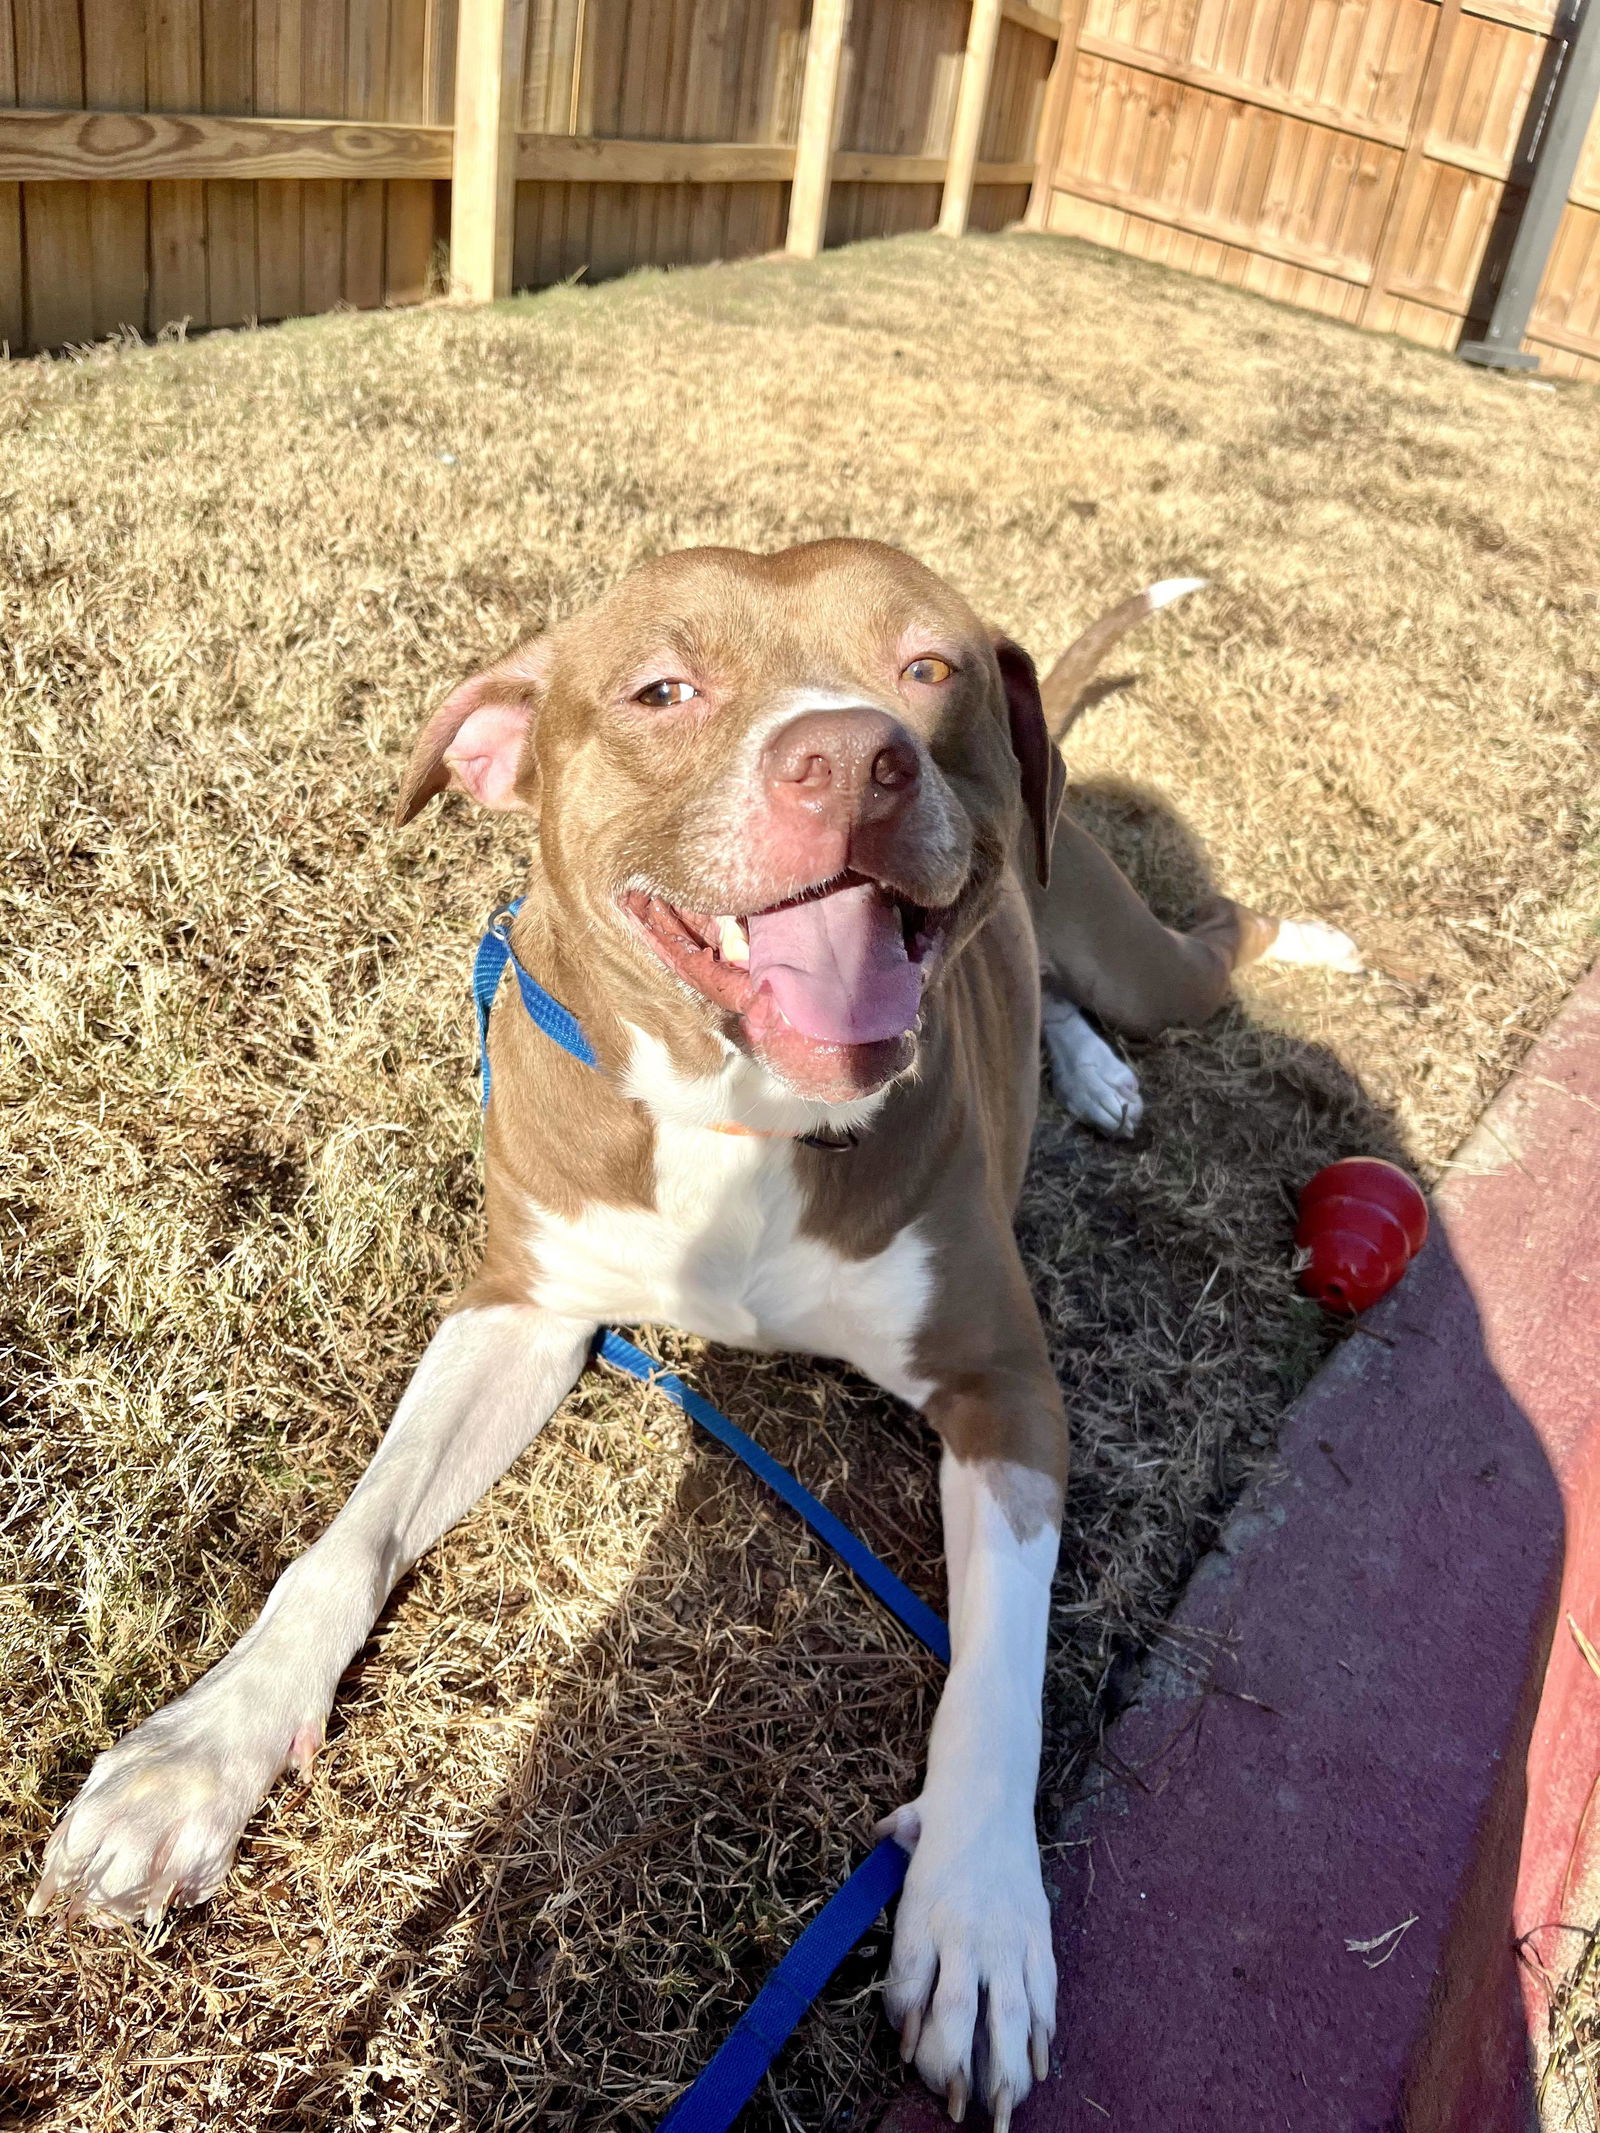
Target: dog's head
{"type": "Point", "coordinates": [789, 784]}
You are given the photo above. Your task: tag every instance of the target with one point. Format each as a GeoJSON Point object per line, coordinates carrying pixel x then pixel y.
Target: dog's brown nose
{"type": "Point", "coordinates": [843, 768]}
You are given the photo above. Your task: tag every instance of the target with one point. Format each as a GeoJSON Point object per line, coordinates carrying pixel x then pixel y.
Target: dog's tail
{"type": "Point", "coordinates": [1063, 687]}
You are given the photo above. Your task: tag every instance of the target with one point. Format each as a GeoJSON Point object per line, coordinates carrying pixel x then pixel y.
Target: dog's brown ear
{"type": "Point", "coordinates": [1044, 776]}
{"type": "Point", "coordinates": [477, 739]}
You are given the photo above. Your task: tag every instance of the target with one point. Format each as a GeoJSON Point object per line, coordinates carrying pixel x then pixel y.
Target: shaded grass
{"type": "Point", "coordinates": [618, 1735]}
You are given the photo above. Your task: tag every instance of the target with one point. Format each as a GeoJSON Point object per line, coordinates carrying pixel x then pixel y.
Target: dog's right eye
{"type": "Point", "coordinates": [662, 695]}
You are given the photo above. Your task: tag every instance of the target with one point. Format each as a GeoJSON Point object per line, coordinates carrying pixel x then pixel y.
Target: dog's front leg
{"type": "Point", "coordinates": [972, 1983]}
{"type": "Point", "coordinates": [161, 1813]}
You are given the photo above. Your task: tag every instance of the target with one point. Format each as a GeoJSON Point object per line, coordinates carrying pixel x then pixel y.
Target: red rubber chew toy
{"type": "Point", "coordinates": [1362, 1221]}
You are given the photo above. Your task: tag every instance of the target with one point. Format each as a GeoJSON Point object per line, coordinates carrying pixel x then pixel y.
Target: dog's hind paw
{"type": "Point", "coordinates": [1309, 941]}
{"type": "Point", "coordinates": [1092, 1084]}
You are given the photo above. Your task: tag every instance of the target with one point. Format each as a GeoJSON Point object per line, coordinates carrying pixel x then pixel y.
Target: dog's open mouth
{"type": "Point", "coordinates": [827, 985]}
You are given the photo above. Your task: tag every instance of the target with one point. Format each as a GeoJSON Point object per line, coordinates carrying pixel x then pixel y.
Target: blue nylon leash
{"type": "Point", "coordinates": [716, 2097]}
{"type": "Point", "coordinates": [871, 1569]}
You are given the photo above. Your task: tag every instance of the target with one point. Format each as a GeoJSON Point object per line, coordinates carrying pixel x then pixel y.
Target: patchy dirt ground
{"type": "Point", "coordinates": [619, 1735]}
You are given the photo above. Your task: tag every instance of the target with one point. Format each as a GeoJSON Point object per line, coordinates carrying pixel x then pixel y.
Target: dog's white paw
{"type": "Point", "coordinates": [972, 1947]}
{"type": "Point", "coordinates": [160, 1814]}
{"type": "Point", "coordinates": [1092, 1084]}
{"type": "Point", "coordinates": [1309, 941]}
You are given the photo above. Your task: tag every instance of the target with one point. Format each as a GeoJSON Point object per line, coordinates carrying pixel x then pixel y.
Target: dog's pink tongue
{"type": "Point", "coordinates": [837, 966]}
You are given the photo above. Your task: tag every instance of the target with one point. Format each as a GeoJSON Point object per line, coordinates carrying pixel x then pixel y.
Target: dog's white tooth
{"type": "Point", "coordinates": [732, 945]}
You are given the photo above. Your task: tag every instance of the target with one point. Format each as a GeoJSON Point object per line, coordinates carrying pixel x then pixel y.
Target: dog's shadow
{"type": "Point", "coordinates": [679, 1808]}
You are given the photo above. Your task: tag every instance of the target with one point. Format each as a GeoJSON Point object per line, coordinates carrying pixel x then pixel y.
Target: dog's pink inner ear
{"type": "Point", "coordinates": [477, 739]}
{"type": "Point", "coordinates": [487, 749]}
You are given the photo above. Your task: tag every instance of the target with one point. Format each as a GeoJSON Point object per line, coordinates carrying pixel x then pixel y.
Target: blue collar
{"type": "Point", "coordinates": [563, 1027]}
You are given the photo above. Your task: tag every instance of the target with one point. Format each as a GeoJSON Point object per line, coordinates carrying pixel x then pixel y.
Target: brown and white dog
{"type": "Point", "coordinates": [799, 876]}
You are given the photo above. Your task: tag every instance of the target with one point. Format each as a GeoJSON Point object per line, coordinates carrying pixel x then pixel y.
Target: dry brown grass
{"type": "Point", "coordinates": [615, 1739]}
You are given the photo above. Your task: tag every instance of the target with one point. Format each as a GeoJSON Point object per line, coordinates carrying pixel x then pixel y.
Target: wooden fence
{"type": "Point", "coordinates": [221, 160]}
{"type": "Point", "coordinates": [1365, 158]}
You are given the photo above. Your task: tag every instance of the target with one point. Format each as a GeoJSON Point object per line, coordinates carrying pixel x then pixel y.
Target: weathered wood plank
{"type": "Point", "coordinates": [279, 240]}
{"type": "Point", "coordinates": [60, 257]}
{"type": "Point", "coordinates": [178, 249]}
{"type": "Point", "coordinates": [49, 52]}
{"type": "Point", "coordinates": [1272, 246]}
{"type": "Point", "coordinates": [1388, 260]}
{"type": "Point", "coordinates": [13, 325]}
{"type": "Point", "coordinates": [113, 55]}
{"type": "Point", "coordinates": [1031, 18]}
{"type": "Point", "coordinates": [363, 243]}
{"type": "Point", "coordinates": [1238, 90]}
{"type": "Point", "coordinates": [233, 291]}
{"type": "Point", "coordinates": [565, 159]}
{"type": "Point", "coordinates": [280, 282]}
{"type": "Point", "coordinates": [1053, 119]}
{"type": "Point", "coordinates": [851, 168]}
{"type": "Point", "coordinates": [8, 95]}
{"type": "Point", "coordinates": [114, 36]}
{"type": "Point", "coordinates": [139, 144]}
{"type": "Point", "coordinates": [46, 145]}
{"type": "Point", "coordinates": [407, 241]}
{"type": "Point", "coordinates": [322, 243]}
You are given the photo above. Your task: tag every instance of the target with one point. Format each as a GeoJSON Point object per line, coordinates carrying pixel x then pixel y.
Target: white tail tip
{"type": "Point", "coordinates": [1308, 941]}
{"type": "Point", "coordinates": [1166, 590]}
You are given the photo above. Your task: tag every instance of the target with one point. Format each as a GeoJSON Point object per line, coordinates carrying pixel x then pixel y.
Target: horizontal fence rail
{"type": "Point", "coordinates": [38, 145]}
{"type": "Point", "coordinates": [1366, 158]}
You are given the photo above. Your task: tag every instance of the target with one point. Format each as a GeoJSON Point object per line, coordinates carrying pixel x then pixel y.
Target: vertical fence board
{"type": "Point", "coordinates": [48, 50]}
{"type": "Point", "coordinates": [279, 216]}
{"type": "Point", "coordinates": [322, 243]}
{"type": "Point", "coordinates": [407, 240]}
{"type": "Point", "coordinates": [227, 66]}
{"type": "Point", "coordinates": [114, 36]}
{"type": "Point", "coordinates": [323, 26]}
{"type": "Point", "coordinates": [60, 291]}
{"type": "Point", "coordinates": [279, 88]}
{"type": "Point", "coordinates": [362, 285]}
{"type": "Point", "coordinates": [174, 81]}
{"type": "Point", "coordinates": [119, 242]}
{"type": "Point", "coordinates": [13, 319]}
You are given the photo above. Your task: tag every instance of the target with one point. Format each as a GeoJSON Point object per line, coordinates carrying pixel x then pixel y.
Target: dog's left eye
{"type": "Point", "coordinates": [928, 669]}
{"type": "Point", "coordinates": [662, 695]}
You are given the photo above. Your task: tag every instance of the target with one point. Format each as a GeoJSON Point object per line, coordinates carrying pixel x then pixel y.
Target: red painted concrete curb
{"type": "Point", "coordinates": [1352, 1730]}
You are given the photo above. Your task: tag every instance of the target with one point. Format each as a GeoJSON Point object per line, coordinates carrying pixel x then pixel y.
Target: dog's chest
{"type": "Point", "coordinates": [721, 1254]}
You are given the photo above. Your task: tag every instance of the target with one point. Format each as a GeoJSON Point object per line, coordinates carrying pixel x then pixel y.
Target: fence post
{"type": "Point", "coordinates": [819, 114]}
{"type": "Point", "coordinates": [971, 104]}
{"type": "Point", "coordinates": [1052, 123]}
{"type": "Point", "coordinates": [483, 199]}
{"type": "Point", "coordinates": [1555, 162]}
